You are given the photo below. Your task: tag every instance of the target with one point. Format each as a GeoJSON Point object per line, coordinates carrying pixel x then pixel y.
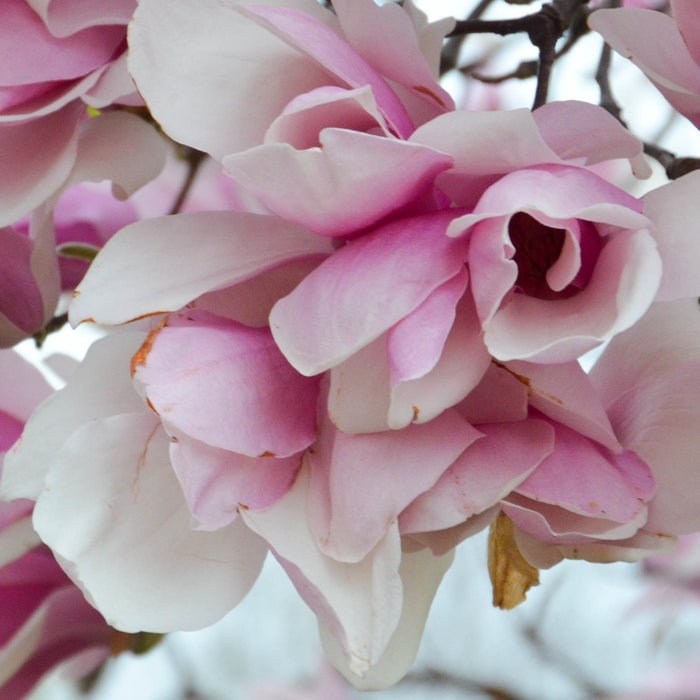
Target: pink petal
{"type": "Point", "coordinates": [667, 336]}
{"type": "Point", "coordinates": [459, 369]}
{"type": "Point", "coordinates": [24, 386]}
{"type": "Point", "coordinates": [227, 385]}
{"type": "Point", "coordinates": [352, 181]}
{"type": "Point", "coordinates": [31, 54]}
{"type": "Point", "coordinates": [139, 158]}
{"type": "Point", "coordinates": [666, 61]}
{"type": "Point", "coordinates": [360, 483]}
{"type": "Point", "coordinates": [64, 17]}
{"type": "Point", "coordinates": [217, 482]}
{"type": "Point", "coordinates": [499, 397]}
{"type": "Point", "coordinates": [544, 555]}
{"type": "Point", "coordinates": [20, 297]}
{"type": "Point", "coordinates": [565, 393]}
{"type": "Point", "coordinates": [657, 418]}
{"type": "Point", "coordinates": [487, 471]}
{"type": "Point", "coordinates": [671, 208]}
{"type": "Point", "coordinates": [587, 479]}
{"type": "Point", "coordinates": [579, 130]}
{"type": "Point", "coordinates": [63, 627]}
{"type": "Point", "coordinates": [415, 343]}
{"type": "Point", "coordinates": [363, 289]}
{"type": "Point", "coordinates": [42, 152]}
{"type": "Point", "coordinates": [381, 35]}
{"type": "Point", "coordinates": [304, 118]}
{"type": "Point", "coordinates": [359, 397]}
{"type": "Point", "coordinates": [197, 94]}
{"type": "Point", "coordinates": [320, 43]}
{"type": "Point", "coordinates": [161, 264]}
{"type": "Point", "coordinates": [619, 292]}
{"type": "Point", "coordinates": [555, 525]}
{"type": "Point", "coordinates": [685, 12]}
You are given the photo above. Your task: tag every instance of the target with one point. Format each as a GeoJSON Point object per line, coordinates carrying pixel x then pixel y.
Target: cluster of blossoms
{"type": "Point", "coordinates": [364, 352]}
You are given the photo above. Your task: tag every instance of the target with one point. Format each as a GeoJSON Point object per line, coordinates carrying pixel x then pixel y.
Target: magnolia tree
{"type": "Point", "coordinates": [343, 321]}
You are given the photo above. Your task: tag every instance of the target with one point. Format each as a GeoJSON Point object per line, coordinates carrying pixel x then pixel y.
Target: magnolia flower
{"type": "Point", "coordinates": [114, 146]}
{"type": "Point", "coordinates": [671, 60]}
{"type": "Point", "coordinates": [56, 58]}
{"type": "Point", "coordinates": [46, 620]}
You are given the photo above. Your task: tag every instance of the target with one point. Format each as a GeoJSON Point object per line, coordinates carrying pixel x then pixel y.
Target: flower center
{"type": "Point", "coordinates": [537, 248]}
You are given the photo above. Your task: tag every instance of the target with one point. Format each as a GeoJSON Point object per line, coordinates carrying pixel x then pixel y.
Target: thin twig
{"type": "Point", "coordinates": [194, 159]}
{"type": "Point", "coordinates": [543, 29]}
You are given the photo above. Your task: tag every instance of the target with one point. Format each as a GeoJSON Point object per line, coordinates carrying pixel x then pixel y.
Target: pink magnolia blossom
{"type": "Point", "coordinates": [57, 56]}
{"type": "Point", "coordinates": [666, 48]}
{"type": "Point", "coordinates": [114, 146]}
{"type": "Point", "coordinates": [363, 377]}
{"type": "Point", "coordinates": [46, 620]}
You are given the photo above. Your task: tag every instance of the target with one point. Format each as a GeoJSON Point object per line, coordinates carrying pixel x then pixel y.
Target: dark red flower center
{"type": "Point", "coordinates": [537, 248]}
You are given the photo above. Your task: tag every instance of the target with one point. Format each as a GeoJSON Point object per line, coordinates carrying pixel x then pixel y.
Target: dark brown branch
{"type": "Point", "coordinates": [544, 28]}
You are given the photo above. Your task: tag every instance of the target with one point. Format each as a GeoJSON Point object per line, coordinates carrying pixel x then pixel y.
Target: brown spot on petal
{"type": "Point", "coordinates": [511, 575]}
{"type": "Point", "coordinates": [416, 412]}
{"type": "Point", "coordinates": [267, 453]}
{"type": "Point", "coordinates": [528, 383]}
{"type": "Point", "coordinates": [141, 354]}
